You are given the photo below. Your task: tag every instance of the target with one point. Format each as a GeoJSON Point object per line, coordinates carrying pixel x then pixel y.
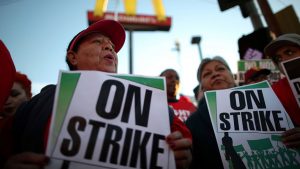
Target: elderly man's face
{"type": "Point", "coordinates": [96, 52]}
{"type": "Point", "coordinates": [285, 53]}
{"type": "Point", "coordinates": [216, 76]}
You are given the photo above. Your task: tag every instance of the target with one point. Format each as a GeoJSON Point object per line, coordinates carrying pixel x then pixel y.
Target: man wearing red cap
{"type": "Point", "coordinates": [94, 48]}
{"type": "Point", "coordinates": [286, 47]}
{"type": "Point", "coordinates": [255, 74]}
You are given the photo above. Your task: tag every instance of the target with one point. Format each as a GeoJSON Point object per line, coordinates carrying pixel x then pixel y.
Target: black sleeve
{"type": "Point", "coordinates": [30, 121]}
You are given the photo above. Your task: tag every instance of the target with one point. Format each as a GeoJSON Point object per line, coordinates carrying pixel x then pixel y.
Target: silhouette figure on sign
{"type": "Point", "coordinates": [231, 154]}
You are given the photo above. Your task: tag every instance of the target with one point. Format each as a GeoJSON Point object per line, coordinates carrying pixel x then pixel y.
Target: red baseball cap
{"type": "Point", "coordinates": [254, 72]}
{"type": "Point", "coordinates": [110, 28]}
{"type": "Point", "coordinates": [7, 74]}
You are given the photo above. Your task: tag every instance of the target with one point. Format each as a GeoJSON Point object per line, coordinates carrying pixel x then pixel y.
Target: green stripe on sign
{"type": "Point", "coordinates": [68, 85]}
{"type": "Point", "coordinates": [212, 99]}
{"type": "Point", "coordinates": [262, 84]}
{"type": "Point", "coordinates": [151, 82]}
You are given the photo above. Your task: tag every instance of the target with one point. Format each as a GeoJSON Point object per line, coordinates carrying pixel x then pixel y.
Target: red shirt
{"type": "Point", "coordinates": [287, 98]}
{"type": "Point", "coordinates": [182, 107]}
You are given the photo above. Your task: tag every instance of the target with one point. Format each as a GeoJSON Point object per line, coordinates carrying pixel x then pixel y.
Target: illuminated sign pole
{"type": "Point", "coordinates": [130, 52]}
{"type": "Point", "coordinates": [131, 21]}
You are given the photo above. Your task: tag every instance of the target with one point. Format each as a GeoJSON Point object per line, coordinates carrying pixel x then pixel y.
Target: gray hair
{"type": "Point", "coordinates": [208, 60]}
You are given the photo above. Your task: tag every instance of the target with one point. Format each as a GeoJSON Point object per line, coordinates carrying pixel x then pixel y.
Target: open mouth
{"type": "Point", "coordinates": [109, 57]}
{"type": "Point", "coordinates": [218, 81]}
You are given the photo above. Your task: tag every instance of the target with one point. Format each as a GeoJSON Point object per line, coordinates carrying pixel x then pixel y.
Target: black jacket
{"type": "Point", "coordinates": [205, 146]}
{"type": "Point", "coordinates": [31, 120]}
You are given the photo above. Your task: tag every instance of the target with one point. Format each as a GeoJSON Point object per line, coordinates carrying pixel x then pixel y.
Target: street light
{"type": "Point", "coordinates": [177, 49]}
{"type": "Point", "coordinates": [197, 40]}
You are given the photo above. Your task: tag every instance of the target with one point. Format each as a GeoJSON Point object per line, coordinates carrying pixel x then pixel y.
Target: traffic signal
{"type": "Point", "coordinates": [226, 4]}
{"type": "Point", "coordinates": [252, 46]}
{"type": "Point", "coordinates": [244, 10]}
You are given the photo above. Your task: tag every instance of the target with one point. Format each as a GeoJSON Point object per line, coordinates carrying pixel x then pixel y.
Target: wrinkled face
{"type": "Point", "coordinates": [16, 98]}
{"type": "Point", "coordinates": [96, 52]}
{"type": "Point", "coordinates": [285, 53]}
{"type": "Point", "coordinates": [216, 76]}
{"type": "Point", "coordinates": [172, 80]}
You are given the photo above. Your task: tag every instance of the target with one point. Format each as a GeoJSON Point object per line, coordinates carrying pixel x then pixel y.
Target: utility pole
{"type": "Point", "coordinates": [130, 52]}
{"type": "Point", "coordinates": [253, 14]}
{"type": "Point", "coordinates": [269, 17]}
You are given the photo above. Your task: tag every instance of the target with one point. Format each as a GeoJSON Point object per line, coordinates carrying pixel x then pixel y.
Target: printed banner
{"type": "Point", "coordinates": [103, 120]}
{"type": "Point", "coordinates": [244, 65]}
{"type": "Point", "coordinates": [292, 71]}
{"type": "Point", "coordinates": [248, 122]}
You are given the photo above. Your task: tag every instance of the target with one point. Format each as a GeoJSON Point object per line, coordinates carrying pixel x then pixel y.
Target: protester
{"type": "Point", "coordinates": [20, 92]}
{"type": "Point", "coordinates": [255, 75]}
{"type": "Point", "coordinates": [284, 48]}
{"type": "Point", "coordinates": [7, 73]}
{"type": "Point", "coordinates": [183, 107]}
{"type": "Point", "coordinates": [198, 92]}
{"type": "Point", "coordinates": [94, 48]}
{"type": "Point", "coordinates": [214, 74]}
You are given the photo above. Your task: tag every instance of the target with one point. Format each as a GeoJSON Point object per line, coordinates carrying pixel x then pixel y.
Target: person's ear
{"type": "Point", "coordinates": [72, 58]}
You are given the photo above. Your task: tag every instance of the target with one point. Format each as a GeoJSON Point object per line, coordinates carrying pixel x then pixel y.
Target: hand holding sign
{"type": "Point", "coordinates": [291, 138]}
{"type": "Point", "coordinates": [181, 147]}
{"type": "Point", "coordinates": [27, 160]}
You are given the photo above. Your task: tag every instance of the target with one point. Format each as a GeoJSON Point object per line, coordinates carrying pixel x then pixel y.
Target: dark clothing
{"type": "Point", "coordinates": [205, 147]}
{"type": "Point", "coordinates": [31, 120]}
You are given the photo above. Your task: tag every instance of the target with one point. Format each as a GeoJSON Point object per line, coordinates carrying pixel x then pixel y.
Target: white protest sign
{"type": "Point", "coordinates": [249, 111]}
{"type": "Point", "coordinates": [103, 120]}
{"type": "Point", "coordinates": [292, 71]}
{"type": "Point", "coordinates": [248, 122]}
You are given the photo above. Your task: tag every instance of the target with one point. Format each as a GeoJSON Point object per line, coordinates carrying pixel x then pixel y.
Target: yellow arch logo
{"type": "Point", "coordinates": [130, 8]}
